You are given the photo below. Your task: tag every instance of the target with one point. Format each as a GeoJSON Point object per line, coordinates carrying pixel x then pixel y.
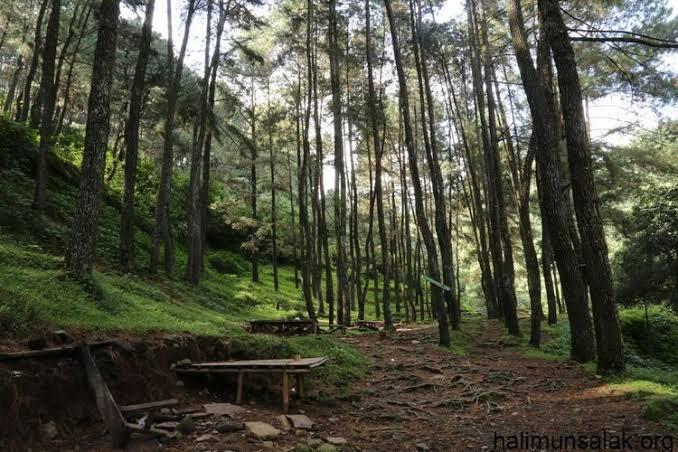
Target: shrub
{"type": "Point", "coordinates": [226, 262]}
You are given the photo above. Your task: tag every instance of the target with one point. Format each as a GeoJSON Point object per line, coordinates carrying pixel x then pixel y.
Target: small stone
{"type": "Point", "coordinates": [268, 444]}
{"type": "Point", "coordinates": [301, 421]}
{"type": "Point", "coordinates": [203, 438]}
{"type": "Point", "coordinates": [333, 419]}
{"type": "Point", "coordinates": [414, 342]}
{"type": "Point", "coordinates": [180, 383]}
{"type": "Point", "coordinates": [224, 409]}
{"type": "Point", "coordinates": [262, 430]}
{"type": "Point", "coordinates": [49, 430]}
{"type": "Point", "coordinates": [284, 423]}
{"type": "Point", "coordinates": [336, 440]}
{"type": "Point", "coordinates": [229, 426]}
{"type": "Point", "coordinates": [186, 426]}
{"type": "Point", "coordinates": [300, 432]}
{"type": "Point", "coordinates": [421, 447]}
{"type": "Point", "coordinates": [165, 411]}
{"type": "Point", "coordinates": [183, 362]}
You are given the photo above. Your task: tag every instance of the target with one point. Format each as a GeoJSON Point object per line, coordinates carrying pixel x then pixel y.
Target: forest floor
{"type": "Point", "coordinates": [418, 396]}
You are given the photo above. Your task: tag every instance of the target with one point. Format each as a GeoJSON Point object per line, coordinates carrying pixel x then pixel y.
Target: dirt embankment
{"type": "Point", "coordinates": [37, 395]}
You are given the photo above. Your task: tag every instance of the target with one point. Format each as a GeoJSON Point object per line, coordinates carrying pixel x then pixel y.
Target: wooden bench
{"type": "Point", "coordinates": [283, 327]}
{"type": "Point", "coordinates": [285, 367]}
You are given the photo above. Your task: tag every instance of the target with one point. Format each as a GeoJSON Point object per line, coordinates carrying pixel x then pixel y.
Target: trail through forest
{"type": "Point", "coordinates": [418, 396]}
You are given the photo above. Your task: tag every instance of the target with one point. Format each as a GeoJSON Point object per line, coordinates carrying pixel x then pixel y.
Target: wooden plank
{"type": "Point", "coordinates": [270, 363]}
{"type": "Point", "coordinates": [61, 351]}
{"type": "Point", "coordinates": [110, 413]}
{"type": "Point", "coordinates": [148, 406]}
{"type": "Point", "coordinates": [285, 392]}
{"type": "Point", "coordinates": [208, 371]}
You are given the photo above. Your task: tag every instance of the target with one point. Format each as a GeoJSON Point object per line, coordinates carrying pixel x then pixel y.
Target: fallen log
{"type": "Point", "coordinates": [110, 413]}
{"type": "Point", "coordinates": [64, 350]}
{"type": "Point", "coordinates": [148, 406]}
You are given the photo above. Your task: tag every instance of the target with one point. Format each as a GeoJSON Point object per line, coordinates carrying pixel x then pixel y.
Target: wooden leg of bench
{"type": "Point", "coordinates": [238, 394]}
{"type": "Point", "coordinates": [285, 392]}
{"type": "Point", "coordinates": [300, 386]}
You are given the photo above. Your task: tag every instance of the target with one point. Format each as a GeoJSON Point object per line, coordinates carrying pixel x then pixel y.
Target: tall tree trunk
{"type": "Point", "coordinates": [162, 230]}
{"type": "Point", "coordinates": [194, 262]}
{"type": "Point", "coordinates": [422, 221]}
{"type": "Point", "coordinates": [207, 151]}
{"type": "Point", "coordinates": [127, 250]}
{"type": "Point", "coordinates": [307, 248]}
{"type": "Point", "coordinates": [339, 167]}
{"type": "Point", "coordinates": [551, 198]}
{"type": "Point", "coordinates": [609, 343]}
{"type": "Point", "coordinates": [71, 67]}
{"type": "Point", "coordinates": [271, 154]}
{"type": "Point", "coordinates": [378, 189]}
{"type": "Point", "coordinates": [48, 96]}
{"type": "Point", "coordinates": [438, 185]}
{"type": "Point", "coordinates": [80, 253]}
{"type": "Point", "coordinates": [37, 50]}
{"type": "Point", "coordinates": [254, 155]}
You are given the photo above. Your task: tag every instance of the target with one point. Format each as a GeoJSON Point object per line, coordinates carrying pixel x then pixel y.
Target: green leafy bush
{"type": "Point", "coordinates": [228, 263]}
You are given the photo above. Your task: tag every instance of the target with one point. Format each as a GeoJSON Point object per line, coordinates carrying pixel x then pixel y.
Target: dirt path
{"type": "Point", "coordinates": [417, 393]}
{"type": "Point", "coordinates": [418, 396]}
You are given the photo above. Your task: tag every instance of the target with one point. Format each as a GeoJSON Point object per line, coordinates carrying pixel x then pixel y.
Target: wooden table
{"type": "Point", "coordinates": [285, 367]}
{"type": "Point", "coordinates": [283, 327]}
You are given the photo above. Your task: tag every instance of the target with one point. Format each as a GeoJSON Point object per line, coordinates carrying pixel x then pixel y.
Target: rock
{"type": "Point", "coordinates": [224, 409]}
{"type": "Point", "coordinates": [167, 425]}
{"type": "Point", "coordinates": [326, 448]}
{"type": "Point", "coordinates": [49, 430]}
{"type": "Point", "coordinates": [333, 419]}
{"type": "Point", "coordinates": [165, 411]}
{"type": "Point", "coordinates": [315, 442]}
{"type": "Point", "coordinates": [414, 341]}
{"type": "Point", "coordinates": [336, 440]}
{"type": "Point", "coordinates": [284, 423]}
{"type": "Point", "coordinates": [268, 444]}
{"type": "Point", "coordinates": [186, 425]}
{"type": "Point", "coordinates": [207, 437]}
{"type": "Point", "coordinates": [301, 421]}
{"type": "Point", "coordinates": [183, 362]}
{"type": "Point", "coordinates": [229, 426]}
{"type": "Point", "coordinates": [180, 383]}
{"type": "Point", "coordinates": [421, 447]}
{"type": "Point", "coordinates": [300, 432]}
{"type": "Point", "coordinates": [261, 430]}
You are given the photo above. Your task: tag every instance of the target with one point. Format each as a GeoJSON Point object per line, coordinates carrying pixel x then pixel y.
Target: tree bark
{"type": "Point", "coordinates": [80, 253]}
{"type": "Point", "coordinates": [551, 198]}
{"type": "Point", "coordinates": [339, 167]}
{"type": "Point", "coordinates": [378, 188]}
{"type": "Point", "coordinates": [194, 262]}
{"type": "Point", "coordinates": [162, 230]}
{"type": "Point", "coordinates": [609, 343]}
{"type": "Point", "coordinates": [127, 250]}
